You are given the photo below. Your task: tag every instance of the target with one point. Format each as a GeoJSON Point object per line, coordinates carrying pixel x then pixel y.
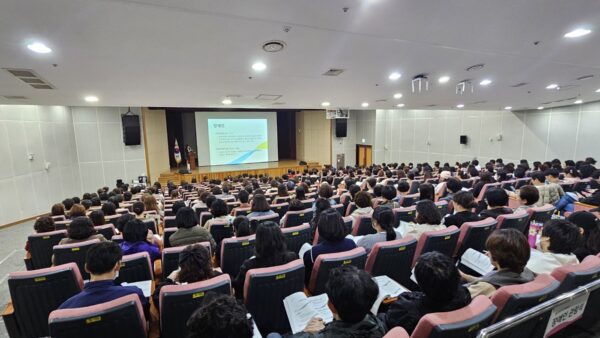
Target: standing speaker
{"type": "Point", "coordinates": [131, 129]}
{"type": "Point", "coordinates": [341, 126]}
{"type": "Point", "coordinates": [463, 139]}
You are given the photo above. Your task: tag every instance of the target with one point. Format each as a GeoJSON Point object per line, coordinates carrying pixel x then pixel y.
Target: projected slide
{"type": "Point", "coordinates": [236, 141]}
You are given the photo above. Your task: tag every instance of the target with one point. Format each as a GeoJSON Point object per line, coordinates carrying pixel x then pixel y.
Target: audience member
{"type": "Point", "coordinates": [97, 217]}
{"type": "Point", "coordinates": [463, 204]}
{"type": "Point", "coordinates": [497, 203]}
{"type": "Point", "coordinates": [426, 192]}
{"type": "Point", "coordinates": [260, 207]}
{"type": "Point", "coordinates": [427, 219]}
{"type": "Point", "coordinates": [77, 210]}
{"type": "Point", "coordinates": [388, 193]}
{"type": "Point", "coordinates": [294, 205]}
{"type": "Point", "coordinates": [109, 209]}
{"type": "Point", "coordinates": [559, 240]}
{"type": "Point", "coordinates": [220, 316]}
{"type": "Point", "coordinates": [58, 209]}
{"type": "Point", "coordinates": [137, 238]}
{"type": "Point", "coordinates": [589, 228]}
{"type": "Point", "coordinates": [241, 225]}
{"type": "Point", "coordinates": [383, 223]}
{"type": "Point", "coordinates": [41, 225]}
{"type": "Point", "coordinates": [81, 229]}
{"type": "Point", "coordinates": [188, 230]}
{"type": "Point", "coordinates": [363, 203]}
{"type": "Point", "coordinates": [550, 193]}
{"type": "Point", "coordinates": [220, 214]}
{"type": "Point", "coordinates": [528, 197]}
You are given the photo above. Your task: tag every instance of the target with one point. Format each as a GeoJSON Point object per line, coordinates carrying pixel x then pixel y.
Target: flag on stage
{"type": "Point", "coordinates": [177, 153]}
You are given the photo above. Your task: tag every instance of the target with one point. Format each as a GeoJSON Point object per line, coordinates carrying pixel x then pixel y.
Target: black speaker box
{"type": "Point", "coordinates": [341, 127]}
{"type": "Point", "coordinates": [463, 139]}
{"type": "Point", "coordinates": [131, 129]}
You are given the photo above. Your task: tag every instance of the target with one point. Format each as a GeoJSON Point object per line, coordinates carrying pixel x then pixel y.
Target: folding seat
{"type": "Point", "coordinates": [106, 230]}
{"type": "Point", "coordinates": [122, 211]}
{"type": "Point", "coordinates": [408, 200]}
{"type": "Point", "coordinates": [518, 220]}
{"type": "Point", "coordinates": [117, 239]}
{"type": "Point", "coordinates": [119, 318]}
{"type": "Point", "coordinates": [397, 332]}
{"type": "Point", "coordinates": [241, 212]}
{"type": "Point", "coordinates": [169, 212]}
{"type": "Point", "coordinates": [414, 188]}
{"type": "Point", "coordinates": [339, 208]}
{"type": "Point", "coordinates": [443, 192]}
{"type": "Point", "coordinates": [363, 225]}
{"type": "Point", "coordinates": [169, 222]}
{"type": "Point", "coordinates": [513, 299]}
{"type": "Point", "coordinates": [403, 214]}
{"type": "Point", "coordinates": [507, 184]}
{"type": "Point", "coordinates": [443, 241]}
{"type": "Point", "coordinates": [541, 214]}
{"type": "Point", "coordinates": [170, 258]}
{"type": "Point", "coordinates": [348, 221]}
{"type": "Point", "coordinates": [36, 293]}
{"type": "Point", "coordinates": [178, 302]}
{"type": "Point", "coordinates": [350, 208]}
{"type": "Point", "coordinates": [75, 253]}
{"type": "Point", "coordinates": [232, 205]}
{"type": "Point", "coordinates": [59, 218]}
{"type": "Point", "coordinates": [575, 275]}
{"type": "Point", "coordinates": [40, 247]}
{"type": "Point", "coordinates": [337, 199]}
{"type": "Point", "coordinates": [234, 251]}
{"type": "Point", "coordinates": [199, 211]}
{"type": "Point", "coordinates": [112, 219]}
{"type": "Point", "coordinates": [474, 234]}
{"type": "Point", "coordinates": [62, 225]}
{"type": "Point", "coordinates": [326, 262]}
{"type": "Point", "coordinates": [136, 267]}
{"type": "Point", "coordinates": [468, 183]}
{"type": "Point", "coordinates": [465, 322]}
{"type": "Point", "coordinates": [442, 207]}
{"type": "Point", "coordinates": [485, 188]}
{"type": "Point", "coordinates": [167, 232]}
{"type": "Point", "coordinates": [296, 236]}
{"type": "Point", "coordinates": [255, 221]}
{"type": "Point", "coordinates": [264, 291]}
{"type": "Point", "coordinates": [280, 208]}
{"type": "Point", "coordinates": [520, 182]}
{"type": "Point", "coordinates": [393, 259]}
{"type": "Point", "coordinates": [151, 224]}
{"type": "Point", "coordinates": [295, 218]}
{"type": "Point", "coordinates": [221, 229]}
{"type": "Point", "coordinates": [204, 216]}
{"type": "Point", "coordinates": [308, 202]}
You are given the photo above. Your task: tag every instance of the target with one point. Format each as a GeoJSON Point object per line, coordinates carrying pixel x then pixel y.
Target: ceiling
{"type": "Point", "coordinates": [191, 53]}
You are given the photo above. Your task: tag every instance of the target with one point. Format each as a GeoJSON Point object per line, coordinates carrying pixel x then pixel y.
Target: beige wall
{"type": "Point", "coordinates": [313, 136]}
{"type": "Point", "coordinates": [155, 138]}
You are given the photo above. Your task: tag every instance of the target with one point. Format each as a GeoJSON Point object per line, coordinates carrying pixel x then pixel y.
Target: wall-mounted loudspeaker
{"type": "Point", "coordinates": [131, 129]}
{"type": "Point", "coordinates": [463, 139]}
{"type": "Point", "coordinates": [341, 127]}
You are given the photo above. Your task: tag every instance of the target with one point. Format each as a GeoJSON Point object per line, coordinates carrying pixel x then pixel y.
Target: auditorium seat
{"type": "Point", "coordinates": [280, 208]}
{"type": "Point", "coordinates": [136, 267]}
{"type": "Point", "coordinates": [59, 218]}
{"type": "Point", "coordinates": [40, 247]}
{"type": "Point", "coordinates": [170, 258]}
{"type": "Point", "coordinates": [513, 299]}
{"type": "Point", "coordinates": [518, 220]}
{"type": "Point", "coordinates": [62, 225]}
{"type": "Point", "coordinates": [178, 302]}
{"type": "Point", "coordinates": [465, 322]}
{"type": "Point", "coordinates": [199, 211]}
{"type": "Point", "coordinates": [443, 241]}
{"type": "Point", "coordinates": [350, 208]}
{"type": "Point", "coordinates": [442, 207]}
{"type": "Point", "coordinates": [112, 219]}
{"type": "Point", "coordinates": [234, 251]}
{"type": "Point", "coordinates": [520, 182]}
{"type": "Point", "coordinates": [325, 262]}
{"type": "Point", "coordinates": [264, 291]}
{"type": "Point", "coordinates": [348, 221]}
{"type": "Point", "coordinates": [255, 221]}
{"type": "Point", "coordinates": [75, 252]}
{"type": "Point", "coordinates": [363, 225]}
{"type": "Point", "coordinates": [167, 232]}
{"type": "Point", "coordinates": [397, 332]}
{"type": "Point", "coordinates": [151, 224]}
{"type": "Point", "coordinates": [575, 275]}
{"type": "Point", "coordinates": [541, 214]}
{"type": "Point", "coordinates": [204, 216]}
{"type": "Point", "coordinates": [36, 293]}
{"type": "Point", "coordinates": [404, 214]}
{"type": "Point", "coordinates": [308, 202]}
{"type": "Point", "coordinates": [119, 318]}
{"type": "Point", "coordinates": [241, 212]}
{"type": "Point", "coordinates": [117, 239]}
{"type": "Point", "coordinates": [296, 236]}
{"type": "Point", "coordinates": [219, 230]}
{"type": "Point", "coordinates": [484, 189]}
{"type": "Point", "coordinates": [295, 218]}
{"type": "Point", "coordinates": [170, 222]}
{"type": "Point", "coordinates": [106, 230]}
{"type": "Point", "coordinates": [339, 208]}
{"type": "Point", "coordinates": [393, 259]}
{"type": "Point", "coordinates": [473, 235]}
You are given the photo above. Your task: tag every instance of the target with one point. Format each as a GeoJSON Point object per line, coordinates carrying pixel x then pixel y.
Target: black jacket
{"type": "Point", "coordinates": [494, 213]}
{"type": "Point", "coordinates": [369, 327]}
{"type": "Point", "coordinates": [411, 306]}
{"type": "Point", "coordinates": [460, 217]}
{"type": "Point", "coordinates": [594, 199]}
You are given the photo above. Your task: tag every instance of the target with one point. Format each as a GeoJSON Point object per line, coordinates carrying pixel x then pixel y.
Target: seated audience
{"type": "Point", "coordinates": [68, 203]}
{"type": "Point", "coordinates": [41, 225]}
{"type": "Point", "coordinates": [77, 210]}
{"type": "Point", "coordinates": [81, 229]}
{"type": "Point", "coordinates": [176, 206]}
{"type": "Point", "coordinates": [220, 316]}
{"type": "Point", "coordinates": [97, 217]}
{"type": "Point", "coordinates": [442, 291]}
{"type": "Point", "coordinates": [363, 203]}
{"type": "Point", "coordinates": [109, 209]}
{"type": "Point", "coordinates": [427, 219]}
{"type": "Point", "coordinates": [137, 238]}
{"type": "Point", "coordinates": [243, 197]}
{"type": "Point", "coordinates": [300, 193]}
{"type": "Point", "coordinates": [550, 193]}
{"type": "Point", "coordinates": [270, 251]}
{"type": "Point", "coordinates": [485, 178]}
{"type": "Point", "coordinates": [138, 209]}
{"type": "Point", "coordinates": [188, 230]}
{"type": "Point", "coordinates": [589, 228]}
{"type": "Point", "coordinates": [260, 207]}
{"type": "Point", "coordinates": [508, 250]}
{"type": "Point", "coordinates": [58, 210]}
{"type": "Point", "coordinates": [388, 193]}
{"type": "Point", "coordinates": [333, 234]}
{"type": "Point", "coordinates": [220, 214]}
{"type": "Point", "coordinates": [463, 204]}
{"type": "Point", "coordinates": [383, 223]}
{"type": "Point", "coordinates": [497, 203]}
{"type": "Point", "coordinates": [241, 225]}
{"type": "Point", "coordinates": [282, 194]}
{"type": "Point", "coordinates": [351, 294]}
{"type": "Point", "coordinates": [426, 192]}
{"type": "Point", "coordinates": [403, 189]}
{"type": "Point", "coordinates": [103, 262]}
{"type": "Point", "coordinates": [453, 186]}
{"type": "Point", "coordinates": [528, 197]}
{"type": "Point", "coordinates": [295, 205]}
{"type": "Point", "coordinates": [558, 242]}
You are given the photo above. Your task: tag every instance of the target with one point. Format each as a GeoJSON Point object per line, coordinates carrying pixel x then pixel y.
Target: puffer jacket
{"type": "Point", "coordinates": [369, 327]}
{"type": "Point", "coordinates": [549, 194]}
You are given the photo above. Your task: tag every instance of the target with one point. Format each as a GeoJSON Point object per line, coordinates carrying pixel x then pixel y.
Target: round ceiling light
{"type": "Point", "coordinates": [273, 46]}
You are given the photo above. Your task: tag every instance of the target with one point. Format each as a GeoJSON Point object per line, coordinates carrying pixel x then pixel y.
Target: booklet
{"type": "Point", "coordinates": [477, 262]}
{"type": "Point", "coordinates": [145, 285]}
{"type": "Point", "coordinates": [388, 288]}
{"type": "Point", "coordinates": [300, 309]}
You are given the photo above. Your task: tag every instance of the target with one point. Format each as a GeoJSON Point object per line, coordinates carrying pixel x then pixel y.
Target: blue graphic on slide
{"type": "Point", "coordinates": [237, 141]}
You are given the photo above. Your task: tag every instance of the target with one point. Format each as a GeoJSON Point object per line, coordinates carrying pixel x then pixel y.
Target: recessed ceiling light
{"type": "Point", "coordinates": [444, 79]}
{"type": "Point", "coordinates": [400, 105]}
{"type": "Point", "coordinates": [91, 98]}
{"type": "Point", "coordinates": [552, 86]}
{"type": "Point", "coordinates": [325, 104]}
{"type": "Point", "coordinates": [507, 108]}
{"type": "Point", "coordinates": [397, 96]}
{"type": "Point", "coordinates": [395, 76]}
{"type": "Point", "coordinates": [540, 107]}
{"type": "Point", "coordinates": [578, 33]}
{"type": "Point", "coordinates": [485, 82]}
{"type": "Point", "coordinates": [598, 90]}
{"type": "Point", "coordinates": [460, 106]}
{"type": "Point", "coordinates": [227, 102]}
{"type": "Point", "coordinates": [365, 104]}
{"type": "Point", "coordinates": [578, 102]}
{"type": "Point", "coordinates": [39, 47]}
{"type": "Point", "coordinates": [259, 66]}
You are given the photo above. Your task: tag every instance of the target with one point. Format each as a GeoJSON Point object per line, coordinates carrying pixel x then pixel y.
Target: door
{"type": "Point", "coordinates": [364, 155]}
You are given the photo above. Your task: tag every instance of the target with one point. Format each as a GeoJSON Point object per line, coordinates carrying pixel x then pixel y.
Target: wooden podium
{"type": "Point", "coordinates": [192, 160]}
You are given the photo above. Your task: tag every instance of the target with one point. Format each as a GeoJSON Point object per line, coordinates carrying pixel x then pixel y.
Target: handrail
{"type": "Point", "coordinates": [511, 322]}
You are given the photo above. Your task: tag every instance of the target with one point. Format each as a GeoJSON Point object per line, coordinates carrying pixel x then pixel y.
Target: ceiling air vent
{"type": "Point", "coordinates": [431, 105]}
{"type": "Point", "coordinates": [475, 67]}
{"type": "Point", "coordinates": [333, 72]}
{"type": "Point", "coordinates": [15, 97]}
{"type": "Point", "coordinates": [278, 103]}
{"type": "Point", "coordinates": [479, 102]}
{"type": "Point", "coordinates": [273, 46]}
{"type": "Point", "coordinates": [585, 77]}
{"type": "Point", "coordinates": [268, 97]}
{"type": "Point", "coordinates": [520, 84]}
{"type": "Point", "coordinates": [30, 77]}
{"type": "Point", "coordinates": [381, 100]}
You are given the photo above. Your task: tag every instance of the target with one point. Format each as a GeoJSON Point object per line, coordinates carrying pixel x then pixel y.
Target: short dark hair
{"type": "Point", "coordinates": [86, 204]}
{"type": "Point", "coordinates": [465, 199]}
{"type": "Point", "coordinates": [122, 221]}
{"type": "Point", "coordinates": [362, 199]}
{"type": "Point", "coordinates": [427, 213]}
{"type": "Point", "coordinates": [195, 264]}
{"type": "Point", "coordinates": [68, 203]}
{"type": "Point", "coordinates": [109, 209]}
{"type": "Point", "coordinates": [496, 197]}
{"type": "Point", "coordinates": [510, 248]}
{"type": "Point", "coordinates": [135, 231]}
{"type": "Point", "coordinates": [296, 205]}
{"type": "Point", "coordinates": [138, 208]}
{"type": "Point", "coordinates": [437, 277]}
{"type": "Point", "coordinates": [388, 192]}
{"type": "Point", "coordinates": [80, 228]}
{"type": "Point", "coordinates": [536, 175]}
{"type": "Point", "coordinates": [371, 182]}
{"type": "Point", "coordinates": [352, 292]}
{"type": "Point", "coordinates": [102, 257]}
{"type": "Point", "coordinates": [44, 224]}
{"type": "Point", "coordinates": [241, 224]}
{"type": "Point", "coordinates": [186, 218]}
{"type": "Point", "coordinates": [58, 210]}
{"type": "Point", "coordinates": [96, 202]}
{"type": "Point", "coordinates": [403, 186]}
{"type": "Point", "coordinates": [270, 243]}
{"type": "Point", "coordinates": [377, 190]}
{"type": "Point", "coordinates": [564, 236]}
{"type": "Point", "coordinates": [529, 193]}
{"type": "Point", "coordinates": [453, 185]}
{"type": "Point", "coordinates": [176, 206]}
{"type": "Point", "coordinates": [331, 225]}
{"type": "Point", "coordinates": [219, 208]}
{"type": "Point", "coordinates": [243, 196]}
{"type": "Point", "coordinates": [97, 217]}
{"type": "Point", "coordinates": [77, 210]}
{"type": "Point", "coordinates": [325, 190]}
{"type": "Point", "coordinates": [220, 316]}
{"type": "Point", "coordinates": [426, 192]}
{"type": "Point", "coordinates": [127, 196]}
{"type": "Point", "coordinates": [259, 203]}
{"type": "Point", "coordinates": [300, 193]}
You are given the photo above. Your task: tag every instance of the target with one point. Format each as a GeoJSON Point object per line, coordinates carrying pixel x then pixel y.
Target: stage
{"type": "Point", "coordinates": [276, 168]}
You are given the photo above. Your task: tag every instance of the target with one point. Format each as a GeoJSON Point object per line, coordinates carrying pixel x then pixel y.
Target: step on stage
{"type": "Point", "coordinates": [220, 172]}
